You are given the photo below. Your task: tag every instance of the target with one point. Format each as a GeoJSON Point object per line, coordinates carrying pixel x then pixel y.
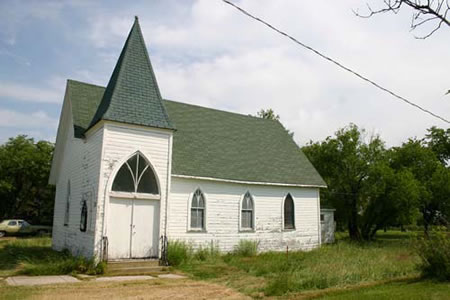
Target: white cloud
{"type": "Point", "coordinates": [207, 53]}
{"type": "Point", "coordinates": [19, 120]}
{"type": "Point", "coordinates": [23, 92]}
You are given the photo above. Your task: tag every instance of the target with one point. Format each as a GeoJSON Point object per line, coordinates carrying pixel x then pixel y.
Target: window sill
{"type": "Point", "coordinates": [250, 230]}
{"type": "Point", "coordinates": [288, 229]}
{"type": "Point", "coordinates": [197, 231]}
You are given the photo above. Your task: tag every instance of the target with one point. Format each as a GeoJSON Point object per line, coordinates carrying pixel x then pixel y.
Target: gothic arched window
{"type": "Point", "coordinates": [289, 213]}
{"type": "Point", "coordinates": [136, 176]}
{"type": "Point", "coordinates": [198, 210]}
{"type": "Point", "coordinates": [247, 211]}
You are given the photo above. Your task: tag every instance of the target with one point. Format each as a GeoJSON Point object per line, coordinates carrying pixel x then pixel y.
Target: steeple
{"type": "Point", "coordinates": [132, 94]}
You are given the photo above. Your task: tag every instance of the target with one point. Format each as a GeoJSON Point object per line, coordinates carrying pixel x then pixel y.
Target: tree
{"type": "Point", "coordinates": [438, 140]}
{"type": "Point", "coordinates": [345, 162]}
{"type": "Point", "coordinates": [390, 198]}
{"type": "Point", "coordinates": [268, 114]}
{"type": "Point", "coordinates": [432, 176]}
{"type": "Point", "coordinates": [424, 12]}
{"type": "Point", "coordinates": [24, 171]}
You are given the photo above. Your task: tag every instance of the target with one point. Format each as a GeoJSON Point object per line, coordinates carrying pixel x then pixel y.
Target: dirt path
{"type": "Point", "coordinates": [150, 289]}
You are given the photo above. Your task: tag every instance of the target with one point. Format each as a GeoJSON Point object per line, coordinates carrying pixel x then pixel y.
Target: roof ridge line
{"type": "Point", "coordinates": [87, 83]}
{"type": "Point", "coordinates": [221, 110]}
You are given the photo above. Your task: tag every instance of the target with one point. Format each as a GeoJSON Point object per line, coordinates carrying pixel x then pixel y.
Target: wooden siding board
{"type": "Point", "coordinates": [222, 221]}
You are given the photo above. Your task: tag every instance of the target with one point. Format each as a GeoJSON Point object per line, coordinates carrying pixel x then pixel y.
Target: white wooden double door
{"type": "Point", "coordinates": [133, 228]}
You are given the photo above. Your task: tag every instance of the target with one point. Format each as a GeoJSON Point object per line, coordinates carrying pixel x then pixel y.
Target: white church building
{"type": "Point", "coordinates": [133, 170]}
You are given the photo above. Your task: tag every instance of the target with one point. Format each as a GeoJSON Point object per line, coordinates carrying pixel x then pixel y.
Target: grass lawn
{"type": "Point", "coordinates": [337, 266]}
{"type": "Point", "coordinates": [382, 269]}
{"type": "Point", "coordinates": [410, 290]}
{"type": "Point", "coordinates": [34, 256]}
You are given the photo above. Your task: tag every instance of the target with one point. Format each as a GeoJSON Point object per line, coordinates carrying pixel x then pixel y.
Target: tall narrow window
{"type": "Point", "coordinates": [67, 211]}
{"type": "Point", "coordinates": [136, 176]}
{"type": "Point", "coordinates": [198, 210]}
{"type": "Point", "coordinates": [289, 213]}
{"type": "Point", "coordinates": [247, 212]}
{"type": "Point", "coordinates": [83, 217]}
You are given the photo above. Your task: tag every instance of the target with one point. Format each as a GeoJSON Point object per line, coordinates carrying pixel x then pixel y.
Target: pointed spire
{"type": "Point", "coordinates": [132, 94]}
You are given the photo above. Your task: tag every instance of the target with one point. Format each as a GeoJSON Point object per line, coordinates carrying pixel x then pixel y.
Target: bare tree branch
{"type": "Point", "coordinates": [425, 11]}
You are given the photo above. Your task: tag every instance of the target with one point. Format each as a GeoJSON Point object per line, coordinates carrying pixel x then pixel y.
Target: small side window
{"type": "Point", "coordinates": [12, 223]}
{"type": "Point", "coordinates": [322, 217]}
{"type": "Point", "coordinates": [67, 211]}
{"type": "Point", "coordinates": [83, 217]}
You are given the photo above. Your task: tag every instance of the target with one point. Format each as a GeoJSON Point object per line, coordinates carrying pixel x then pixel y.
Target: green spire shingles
{"type": "Point", "coordinates": [132, 94]}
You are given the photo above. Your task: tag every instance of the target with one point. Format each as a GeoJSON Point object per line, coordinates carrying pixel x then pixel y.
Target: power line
{"type": "Point", "coordinates": [336, 62]}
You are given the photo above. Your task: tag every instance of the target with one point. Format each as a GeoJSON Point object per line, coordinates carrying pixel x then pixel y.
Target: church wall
{"type": "Point", "coordinates": [223, 202]}
{"type": "Point", "coordinates": [120, 142]}
{"type": "Point", "coordinates": [81, 165]}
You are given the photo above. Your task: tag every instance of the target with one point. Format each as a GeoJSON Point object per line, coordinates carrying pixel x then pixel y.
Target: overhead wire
{"type": "Point", "coordinates": [336, 62]}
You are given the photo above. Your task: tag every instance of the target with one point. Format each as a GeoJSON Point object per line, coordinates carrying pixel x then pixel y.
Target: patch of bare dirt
{"type": "Point", "coordinates": [150, 289]}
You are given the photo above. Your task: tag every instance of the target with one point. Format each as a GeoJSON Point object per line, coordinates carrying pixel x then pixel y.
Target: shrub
{"type": "Point", "coordinates": [246, 248]}
{"type": "Point", "coordinates": [434, 252]}
{"type": "Point", "coordinates": [178, 252]}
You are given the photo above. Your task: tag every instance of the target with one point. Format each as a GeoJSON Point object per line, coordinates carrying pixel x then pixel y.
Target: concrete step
{"type": "Point", "coordinates": [125, 272]}
{"type": "Point", "coordinates": [135, 267]}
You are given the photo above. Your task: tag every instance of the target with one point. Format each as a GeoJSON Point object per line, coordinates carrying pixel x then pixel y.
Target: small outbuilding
{"type": "Point", "coordinates": [327, 225]}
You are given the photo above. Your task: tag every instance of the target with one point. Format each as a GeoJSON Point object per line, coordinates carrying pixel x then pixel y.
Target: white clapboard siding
{"type": "Point", "coordinates": [223, 211]}
{"type": "Point", "coordinates": [81, 165]}
{"type": "Point", "coordinates": [120, 142]}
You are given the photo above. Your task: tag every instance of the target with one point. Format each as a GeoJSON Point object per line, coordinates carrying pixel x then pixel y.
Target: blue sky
{"type": "Point", "coordinates": [204, 52]}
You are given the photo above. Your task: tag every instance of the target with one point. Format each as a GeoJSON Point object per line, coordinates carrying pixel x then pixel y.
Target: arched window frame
{"type": "Point", "coordinates": [190, 211]}
{"type": "Point", "coordinates": [67, 206]}
{"type": "Point", "coordinates": [283, 210]}
{"type": "Point", "coordinates": [135, 194]}
{"type": "Point", "coordinates": [241, 213]}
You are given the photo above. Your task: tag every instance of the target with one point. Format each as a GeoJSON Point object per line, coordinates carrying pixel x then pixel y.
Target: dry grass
{"type": "Point", "coordinates": [150, 289]}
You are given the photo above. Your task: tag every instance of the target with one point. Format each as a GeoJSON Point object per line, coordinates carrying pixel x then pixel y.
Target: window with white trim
{"type": "Point", "coordinates": [136, 176]}
{"type": "Point", "coordinates": [289, 212]}
{"type": "Point", "coordinates": [247, 212]}
{"type": "Point", "coordinates": [198, 210]}
{"type": "Point", "coordinates": [67, 211]}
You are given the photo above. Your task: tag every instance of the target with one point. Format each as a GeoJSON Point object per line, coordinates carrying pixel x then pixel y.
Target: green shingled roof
{"type": "Point", "coordinates": [216, 144]}
{"type": "Point", "coordinates": [132, 94]}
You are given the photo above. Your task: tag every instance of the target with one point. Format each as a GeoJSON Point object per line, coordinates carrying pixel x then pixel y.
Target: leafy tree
{"type": "Point", "coordinates": [389, 198]}
{"type": "Point", "coordinates": [432, 176]}
{"type": "Point", "coordinates": [24, 171]}
{"type": "Point", "coordinates": [345, 162]}
{"type": "Point", "coordinates": [268, 114]}
{"type": "Point", "coordinates": [438, 140]}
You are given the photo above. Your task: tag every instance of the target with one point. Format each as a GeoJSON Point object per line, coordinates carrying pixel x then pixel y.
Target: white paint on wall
{"type": "Point", "coordinates": [120, 143]}
{"type": "Point", "coordinates": [80, 165]}
{"type": "Point", "coordinates": [223, 211]}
